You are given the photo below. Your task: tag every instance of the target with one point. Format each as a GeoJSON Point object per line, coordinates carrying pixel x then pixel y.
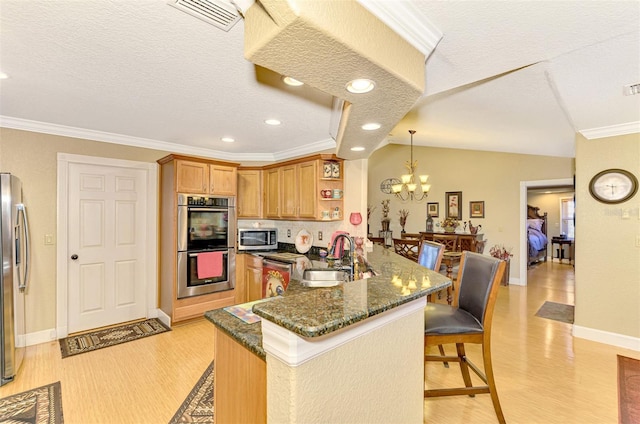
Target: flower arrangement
{"type": "Point", "coordinates": [404, 213]}
{"type": "Point", "coordinates": [385, 208]}
{"type": "Point", "coordinates": [501, 252]}
{"type": "Point", "coordinates": [449, 224]}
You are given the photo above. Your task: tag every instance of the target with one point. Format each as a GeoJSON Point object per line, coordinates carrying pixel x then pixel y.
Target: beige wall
{"type": "Point", "coordinates": [607, 257]}
{"type": "Point", "coordinates": [33, 158]}
{"type": "Point", "coordinates": [481, 176]}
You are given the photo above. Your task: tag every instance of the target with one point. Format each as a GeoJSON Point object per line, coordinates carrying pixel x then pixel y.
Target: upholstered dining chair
{"type": "Point", "coordinates": [430, 256]}
{"type": "Point", "coordinates": [409, 248]}
{"type": "Point", "coordinates": [468, 320]}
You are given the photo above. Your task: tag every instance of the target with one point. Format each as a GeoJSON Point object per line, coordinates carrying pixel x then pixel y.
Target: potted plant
{"type": "Point", "coordinates": [504, 253]}
{"type": "Point", "coordinates": [385, 215]}
{"type": "Point", "coordinates": [404, 213]}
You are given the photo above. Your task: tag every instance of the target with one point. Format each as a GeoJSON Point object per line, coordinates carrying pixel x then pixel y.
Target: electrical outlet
{"type": "Point", "coordinates": [48, 239]}
{"type": "Point", "coordinates": [289, 233]}
{"type": "Point", "coordinates": [319, 235]}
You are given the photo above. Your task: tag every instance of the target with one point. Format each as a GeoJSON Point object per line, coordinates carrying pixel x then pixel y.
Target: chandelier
{"type": "Point", "coordinates": [408, 188]}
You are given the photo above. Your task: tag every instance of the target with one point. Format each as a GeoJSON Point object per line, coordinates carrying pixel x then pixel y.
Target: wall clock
{"type": "Point", "coordinates": [613, 186]}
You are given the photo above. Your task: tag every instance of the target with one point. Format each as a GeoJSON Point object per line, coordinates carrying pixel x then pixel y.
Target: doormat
{"type": "Point", "coordinates": [628, 390]}
{"type": "Point", "coordinates": [111, 336]}
{"type": "Point", "coordinates": [198, 406]}
{"type": "Point", "coordinates": [42, 405]}
{"type": "Point", "coordinates": [556, 311]}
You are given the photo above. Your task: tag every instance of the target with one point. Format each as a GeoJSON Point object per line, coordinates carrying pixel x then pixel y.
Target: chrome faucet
{"type": "Point", "coordinates": [351, 253]}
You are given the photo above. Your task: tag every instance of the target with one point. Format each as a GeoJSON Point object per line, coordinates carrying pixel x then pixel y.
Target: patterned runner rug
{"type": "Point", "coordinates": [38, 406]}
{"type": "Point", "coordinates": [106, 337]}
{"type": "Point", "coordinates": [628, 390]}
{"type": "Point", "coordinates": [198, 406]}
{"type": "Point", "coordinates": [556, 311]}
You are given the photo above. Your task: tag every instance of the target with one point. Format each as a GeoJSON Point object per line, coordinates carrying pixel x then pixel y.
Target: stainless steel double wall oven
{"type": "Point", "coordinates": [205, 225]}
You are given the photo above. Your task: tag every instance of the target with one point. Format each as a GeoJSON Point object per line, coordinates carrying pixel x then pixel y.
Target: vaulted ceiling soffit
{"type": "Point", "coordinates": [326, 44]}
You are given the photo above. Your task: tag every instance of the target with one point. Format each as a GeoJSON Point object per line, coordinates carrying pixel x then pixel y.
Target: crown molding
{"type": "Point", "coordinates": [408, 21]}
{"type": "Point", "coordinates": [611, 131]}
{"type": "Point", "coordinates": [106, 137]}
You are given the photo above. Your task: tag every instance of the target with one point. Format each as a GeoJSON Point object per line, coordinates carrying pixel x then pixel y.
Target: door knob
{"type": "Point", "coordinates": [74, 257]}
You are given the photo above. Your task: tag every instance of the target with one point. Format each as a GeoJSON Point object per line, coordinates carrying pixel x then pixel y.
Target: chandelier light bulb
{"type": "Point", "coordinates": [424, 178]}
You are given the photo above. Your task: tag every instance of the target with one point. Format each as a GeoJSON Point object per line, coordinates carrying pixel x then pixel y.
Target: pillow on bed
{"type": "Point", "coordinates": [535, 224]}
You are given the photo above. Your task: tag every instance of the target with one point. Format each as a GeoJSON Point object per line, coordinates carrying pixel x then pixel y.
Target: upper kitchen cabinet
{"type": "Point", "coordinates": [249, 203]}
{"type": "Point", "coordinates": [299, 189]}
{"type": "Point", "coordinates": [202, 176]}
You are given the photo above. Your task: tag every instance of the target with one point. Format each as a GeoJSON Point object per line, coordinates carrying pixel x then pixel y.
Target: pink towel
{"type": "Point", "coordinates": [209, 265]}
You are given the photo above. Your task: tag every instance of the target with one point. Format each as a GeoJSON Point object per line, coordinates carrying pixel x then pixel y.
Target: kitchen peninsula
{"type": "Point", "coordinates": [350, 353]}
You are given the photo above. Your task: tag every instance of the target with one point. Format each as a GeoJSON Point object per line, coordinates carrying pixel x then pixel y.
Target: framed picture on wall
{"type": "Point", "coordinates": [433, 209]}
{"type": "Point", "coordinates": [454, 200]}
{"type": "Point", "coordinates": [476, 209]}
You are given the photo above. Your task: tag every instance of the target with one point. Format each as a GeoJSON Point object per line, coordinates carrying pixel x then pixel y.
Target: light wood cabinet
{"type": "Point", "coordinates": [192, 177]}
{"type": "Point", "coordinates": [292, 189]}
{"type": "Point", "coordinates": [205, 177]}
{"type": "Point", "coordinates": [289, 191]}
{"type": "Point", "coordinates": [272, 193]}
{"type": "Point", "coordinates": [250, 199]}
{"type": "Point", "coordinates": [183, 174]}
{"type": "Point", "coordinates": [223, 180]}
{"type": "Point", "coordinates": [253, 277]}
{"type": "Point", "coordinates": [240, 383]}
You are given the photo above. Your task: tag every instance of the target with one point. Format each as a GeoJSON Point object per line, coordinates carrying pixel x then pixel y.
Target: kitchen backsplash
{"type": "Point", "coordinates": [314, 227]}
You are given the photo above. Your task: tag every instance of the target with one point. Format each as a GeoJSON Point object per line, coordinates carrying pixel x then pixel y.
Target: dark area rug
{"type": "Point", "coordinates": [87, 342]}
{"type": "Point", "coordinates": [628, 390]}
{"type": "Point", "coordinates": [556, 311]}
{"type": "Point", "coordinates": [42, 405]}
{"type": "Point", "coordinates": [198, 406]}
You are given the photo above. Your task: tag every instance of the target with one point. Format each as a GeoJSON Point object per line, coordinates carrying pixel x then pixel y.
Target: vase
{"type": "Point", "coordinates": [505, 277]}
{"type": "Point", "coordinates": [385, 224]}
{"type": "Point", "coordinates": [449, 229]}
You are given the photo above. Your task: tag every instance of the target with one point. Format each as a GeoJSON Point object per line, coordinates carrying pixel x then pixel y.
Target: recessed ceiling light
{"type": "Point", "coordinates": [357, 149]}
{"type": "Point", "coordinates": [3, 75]}
{"type": "Point", "coordinates": [272, 122]}
{"type": "Point", "coordinates": [371, 126]}
{"type": "Point", "coordinates": [361, 85]}
{"type": "Point", "coordinates": [292, 81]}
{"type": "Point", "coordinates": [227, 139]}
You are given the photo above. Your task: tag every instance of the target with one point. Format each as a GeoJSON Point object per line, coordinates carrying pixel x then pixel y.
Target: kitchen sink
{"type": "Point", "coordinates": [323, 277]}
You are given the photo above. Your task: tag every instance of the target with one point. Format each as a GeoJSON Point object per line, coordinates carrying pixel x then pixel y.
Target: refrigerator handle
{"type": "Point", "coordinates": [22, 211]}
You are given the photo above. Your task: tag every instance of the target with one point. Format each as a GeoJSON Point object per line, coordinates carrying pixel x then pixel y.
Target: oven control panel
{"type": "Point", "coordinates": [207, 201]}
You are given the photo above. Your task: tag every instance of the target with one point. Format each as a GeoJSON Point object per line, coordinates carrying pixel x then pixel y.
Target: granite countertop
{"type": "Point", "coordinates": [313, 312]}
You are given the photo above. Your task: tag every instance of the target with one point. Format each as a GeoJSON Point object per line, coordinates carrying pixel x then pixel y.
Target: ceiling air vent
{"type": "Point", "coordinates": [631, 89]}
{"type": "Point", "coordinates": [216, 12]}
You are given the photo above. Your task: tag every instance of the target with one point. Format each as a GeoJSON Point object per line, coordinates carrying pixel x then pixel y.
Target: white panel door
{"type": "Point", "coordinates": [106, 240]}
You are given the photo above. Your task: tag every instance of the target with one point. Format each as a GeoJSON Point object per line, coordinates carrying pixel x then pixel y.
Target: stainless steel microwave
{"type": "Point", "coordinates": [257, 238]}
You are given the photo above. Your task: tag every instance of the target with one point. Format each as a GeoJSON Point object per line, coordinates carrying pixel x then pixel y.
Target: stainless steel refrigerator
{"type": "Point", "coordinates": [14, 250]}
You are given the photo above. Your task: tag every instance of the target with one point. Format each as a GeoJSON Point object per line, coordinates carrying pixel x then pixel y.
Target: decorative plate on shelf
{"type": "Point", "coordinates": [304, 241]}
{"type": "Point", "coordinates": [327, 170]}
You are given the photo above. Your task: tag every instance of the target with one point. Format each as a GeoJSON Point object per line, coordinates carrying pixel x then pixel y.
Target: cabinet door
{"type": "Point", "coordinates": [192, 177]}
{"type": "Point", "coordinates": [289, 191]}
{"type": "Point", "coordinates": [249, 193]}
{"type": "Point", "coordinates": [272, 193]}
{"type": "Point", "coordinates": [308, 189]}
{"type": "Point", "coordinates": [253, 281]}
{"type": "Point", "coordinates": [223, 180]}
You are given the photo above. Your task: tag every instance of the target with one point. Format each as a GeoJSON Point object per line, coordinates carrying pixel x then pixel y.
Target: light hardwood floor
{"type": "Point", "coordinates": [543, 374]}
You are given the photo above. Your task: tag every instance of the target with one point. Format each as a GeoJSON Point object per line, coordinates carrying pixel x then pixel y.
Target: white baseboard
{"type": "Point", "coordinates": [600, 336]}
{"type": "Point", "coordinates": [39, 337]}
{"type": "Point", "coordinates": [515, 281]}
{"type": "Point", "coordinates": [164, 318]}
{"type": "Point", "coordinates": [45, 336]}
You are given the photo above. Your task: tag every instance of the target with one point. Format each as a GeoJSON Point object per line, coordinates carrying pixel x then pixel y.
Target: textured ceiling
{"type": "Point", "coordinates": [506, 76]}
